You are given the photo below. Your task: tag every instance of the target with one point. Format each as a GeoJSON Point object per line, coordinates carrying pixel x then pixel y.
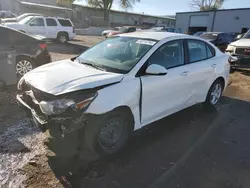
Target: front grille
{"type": "Point", "coordinates": [242, 51]}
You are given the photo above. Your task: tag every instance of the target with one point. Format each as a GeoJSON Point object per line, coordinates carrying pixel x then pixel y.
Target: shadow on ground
{"type": "Point", "coordinates": [150, 152]}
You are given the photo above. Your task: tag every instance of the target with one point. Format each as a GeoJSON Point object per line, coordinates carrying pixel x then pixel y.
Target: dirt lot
{"type": "Point", "coordinates": [150, 153]}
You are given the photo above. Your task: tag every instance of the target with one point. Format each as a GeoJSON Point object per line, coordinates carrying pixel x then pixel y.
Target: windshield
{"type": "Point", "coordinates": [156, 28]}
{"type": "Point", "coordinates": [119, 54]}
{"type": "Point", "coordinates": [21, 16]}
{"type": "Point", "coordinates": [212, 36]}
{"type": "Point", "coordinates": [25, 20]}
{"type": "Point", "coordinates": [247, 35]}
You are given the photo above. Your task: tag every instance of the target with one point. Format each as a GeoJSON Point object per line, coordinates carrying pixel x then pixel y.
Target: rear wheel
{"type": "Point", "coordinates": [23, 65]}
{"type": "Point", "coordinates": [62, 38]}
{"type": "Point", "coordinates": [214, 93]}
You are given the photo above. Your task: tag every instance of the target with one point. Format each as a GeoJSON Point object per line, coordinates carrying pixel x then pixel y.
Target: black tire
{"type": "Point", "coordinates": [209, 101]}
{"type": "Point", "coordinates": [20, 59]}
{"type": "Point", "coordinates": [97, 128]}
{"type": "Point", "coordinates": [62, 38]}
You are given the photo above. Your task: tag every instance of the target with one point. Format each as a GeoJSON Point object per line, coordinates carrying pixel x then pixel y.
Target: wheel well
{"type": "Point", "coordinates": [222, 80]}
{"type": "Point", "coordinates": [18, 57]}
{"type": "Point", "coordinates": [126, 110]}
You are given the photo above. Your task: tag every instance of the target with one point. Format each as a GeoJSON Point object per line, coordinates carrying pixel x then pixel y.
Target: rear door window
{"type": "Point", "coordinates": [51, 22]}
{"type": "Point", "coordinates": [65, 23]}
{"type": "Point", "coordinates": [197, 50]}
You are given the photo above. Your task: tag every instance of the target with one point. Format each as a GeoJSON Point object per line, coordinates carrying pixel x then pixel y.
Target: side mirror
{"type": "Point", "coordinates": [32, 24]}
{"type": "Point", "coordinates": [155, 69]}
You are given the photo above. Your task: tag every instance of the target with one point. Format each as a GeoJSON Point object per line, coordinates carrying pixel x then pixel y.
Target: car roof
{"type": "Point", "coordinates": [50, 17]}
{"type": "Point", "coordinates": [151, 35]}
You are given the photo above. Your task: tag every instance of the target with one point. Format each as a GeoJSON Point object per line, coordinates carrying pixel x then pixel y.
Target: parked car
{"type": "Point", "coordinates": [124, 29]}
{"type": "Point", "coordinates": [31, 50]}
{"type": "Point", "coordinates": [240, 52]}
{"type": "Point", "coordinates": [238, 36]}
{"type": "Point", "coordinates": [164, 29]}
{"type": "Point", "coordinates": [219, 39]}
{"type": "Point", "coordinates": [120, 85]}
{"type": "Point", "coordinates": [199, 33]}
{"type": "Point", "coordinates": [106, 32]}
{"type": "Point", "coordinates": [61, 29]}
{"type": "Point", "coordinates": [19, 18]}
{"type": "Point", "coordinates": [6, 14]}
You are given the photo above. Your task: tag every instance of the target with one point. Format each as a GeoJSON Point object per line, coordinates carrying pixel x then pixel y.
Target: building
{"type": "Point", "coordinates": [45, 7]}
{"type": "Point", "coordinates": [12, 5]}
{"type": "Point", "coordinates": [89, 16]}
{"type": "Point", "coordinates": [226, 20]}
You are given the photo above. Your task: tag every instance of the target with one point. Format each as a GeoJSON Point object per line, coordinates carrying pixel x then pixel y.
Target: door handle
{"type": "Point", "coordinates": [213, 65]}
{"type": "Point", "coordinates": [185, 73]}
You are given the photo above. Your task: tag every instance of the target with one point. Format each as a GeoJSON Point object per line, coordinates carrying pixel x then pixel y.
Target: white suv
{"type": "Point", "coordinates": [61, 29]}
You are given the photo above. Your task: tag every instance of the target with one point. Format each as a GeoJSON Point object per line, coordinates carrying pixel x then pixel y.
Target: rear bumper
{"type": "Point", "coordinates": [72, 36]}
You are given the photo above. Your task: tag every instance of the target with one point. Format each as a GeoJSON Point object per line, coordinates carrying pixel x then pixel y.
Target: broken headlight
{"type": "Point", "coordinates": [61, 105]}
{"type": "Point", "coordinates": [56, 106]}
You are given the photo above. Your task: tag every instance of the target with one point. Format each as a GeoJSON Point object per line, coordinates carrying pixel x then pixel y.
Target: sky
{"type": "Point", "coordinates": [170, 7]}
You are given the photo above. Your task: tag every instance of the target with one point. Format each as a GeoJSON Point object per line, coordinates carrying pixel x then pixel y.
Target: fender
{"type": "Point", "coordinates": [126, 93]}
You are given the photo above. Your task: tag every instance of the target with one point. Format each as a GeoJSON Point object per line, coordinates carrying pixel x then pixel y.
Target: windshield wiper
{"type": "Point", "coordinates": [94, 66]}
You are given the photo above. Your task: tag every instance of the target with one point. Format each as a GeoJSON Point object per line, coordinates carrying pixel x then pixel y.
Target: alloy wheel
{"type": "Point", "coordinates": [215, 94]}
{"type": "Point", "coordinates": [63, 39]}
{"type": "Point", "coordinates": [23, 66]}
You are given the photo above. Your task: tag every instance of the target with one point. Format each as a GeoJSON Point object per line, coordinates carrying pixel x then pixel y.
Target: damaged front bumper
{"type": "Point", "coordinates": [239, 61]}
{"type": "Point", "coordinates": [65, 123]}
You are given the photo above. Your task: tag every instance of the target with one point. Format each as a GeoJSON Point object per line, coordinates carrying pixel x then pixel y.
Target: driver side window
{"type": "Point", "coordinates": [169, 55]}
{"type": "Point", "coordinates": [37, 22]}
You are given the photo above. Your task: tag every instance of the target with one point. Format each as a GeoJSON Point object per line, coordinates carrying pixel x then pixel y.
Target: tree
{"type": "Point", "coordinates": [106, 5]}
{"type": "Point", "coordinates": [206, 5]}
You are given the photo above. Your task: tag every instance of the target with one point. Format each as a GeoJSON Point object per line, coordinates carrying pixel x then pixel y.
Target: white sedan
{"type": "Point", "coordinates": [121, 85]}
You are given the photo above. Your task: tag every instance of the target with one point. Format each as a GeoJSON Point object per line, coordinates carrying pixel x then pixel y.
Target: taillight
{"type": "Point", "coordinates": [73, 29]}
{"type": "Point", "coordinates": [43, 46]}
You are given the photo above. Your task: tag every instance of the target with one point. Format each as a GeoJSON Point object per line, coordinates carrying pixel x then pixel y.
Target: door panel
{"type": "Point", "coordinates": [37, 27]}
{"type": "Point", "coordinates": [52, 28]}
{"type": "Point", "coordinates": [202, 70]}
{"type": "Point", "coordinates": [163, 95]}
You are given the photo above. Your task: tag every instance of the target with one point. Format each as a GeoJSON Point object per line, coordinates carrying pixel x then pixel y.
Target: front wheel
{"type": "Point", "coordinates": [214, 93]}
{"type": "Point", "coordinates": [106, 134]}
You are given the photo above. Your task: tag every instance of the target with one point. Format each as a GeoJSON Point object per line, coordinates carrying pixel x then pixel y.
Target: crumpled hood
{"type": "Point", "coordinates": [66, 76]}
{"type": "Point", "coordinates": [241, 42]}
